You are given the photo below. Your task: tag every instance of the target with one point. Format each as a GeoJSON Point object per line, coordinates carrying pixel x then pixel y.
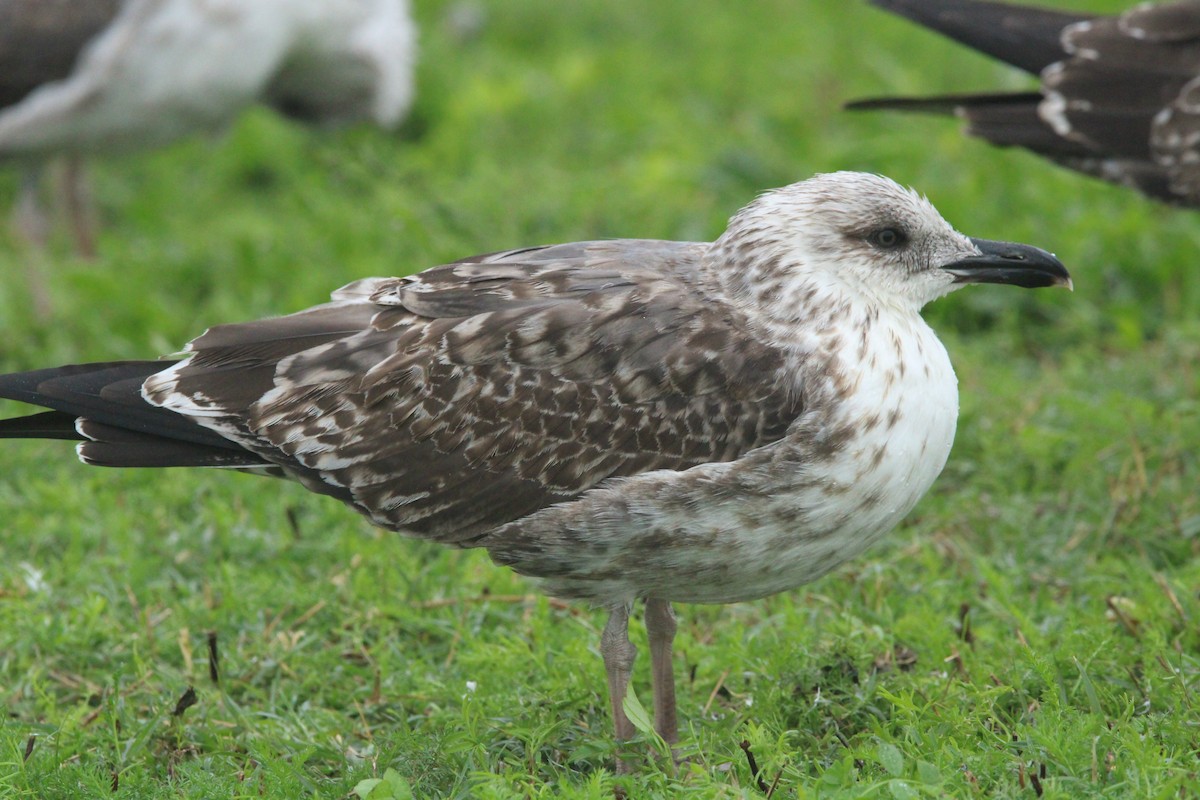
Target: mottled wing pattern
{"type": "Point", "coordinates": [40, 40]}
{"type": "Point", "coordinates": [1119, 94]}
{"type": "Point", "coordinates": [1123, 95]}
{"type": "Point", "coordinates": [478, 392]}
{"type": "Point", "coordinates": [1175, 133]}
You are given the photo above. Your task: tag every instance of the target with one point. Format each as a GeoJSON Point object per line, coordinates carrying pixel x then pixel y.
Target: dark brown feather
{"type": "Point", "coordinates": [507, 375]}
{"type": "Point", "coordinates": [1114, 100]}
{"type": "Point", "coordinates": [1023, 36]}
{"type": "Point", "coordinates": [108, 393]}
{"type": "Point", "coordinates": [47, 425]}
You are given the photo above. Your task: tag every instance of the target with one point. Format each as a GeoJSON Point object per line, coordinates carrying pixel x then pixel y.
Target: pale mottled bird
{"type": "Point", "coordinates": [107, 76]}
{"type": "Point", "coordinates": [622, 420]}
{"type": "Point", "coordinates": [1119, 96]}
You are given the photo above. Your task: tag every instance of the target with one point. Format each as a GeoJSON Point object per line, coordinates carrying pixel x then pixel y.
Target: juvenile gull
{"type": "Point", "coordinates": [623, 420]}
{"type": "Point", "coordinates": [1119, 96]}
{"type": "Point", "coordinates": [106, 76]}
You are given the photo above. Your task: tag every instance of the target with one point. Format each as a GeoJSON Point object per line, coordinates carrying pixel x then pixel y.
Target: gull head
{"type": "Point", "coordinates": [852, 236]}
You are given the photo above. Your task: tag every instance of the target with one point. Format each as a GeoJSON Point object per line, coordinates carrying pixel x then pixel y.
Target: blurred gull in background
{"type": "Point", "coordinates": [109, 76]}
{"type": "Point", "coordinates": [1119, 96]}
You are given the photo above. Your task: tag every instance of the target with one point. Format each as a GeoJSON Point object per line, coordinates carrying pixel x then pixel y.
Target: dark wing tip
{"type": "Point", "coordinates": [47, 425]}
{"type": "Point", "coordinates": [947, 105]}
{"type": "Point", "coordinates": [1026, 37]}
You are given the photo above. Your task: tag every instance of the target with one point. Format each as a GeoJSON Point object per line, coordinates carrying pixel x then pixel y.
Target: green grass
{"type": "Point", "coordinates": [1031, 629]}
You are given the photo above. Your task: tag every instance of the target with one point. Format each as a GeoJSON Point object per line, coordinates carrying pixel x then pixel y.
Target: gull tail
{"type": "Point", "coordinates": [101, 407]}
{"type": "Point", "coordinates": [1026, 37]}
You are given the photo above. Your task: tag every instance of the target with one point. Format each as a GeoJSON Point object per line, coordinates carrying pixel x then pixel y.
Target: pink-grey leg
{"type": "Point", "coordinates": [81, 212]}
{"type": "Point", "coordinates": [31, 224]}
{"type": "Point", "coordinates": [660, 629]}
{"type": "Point", "coordinates": [29, 218]}
{"type": "Point", "coordinates": [619, 654]}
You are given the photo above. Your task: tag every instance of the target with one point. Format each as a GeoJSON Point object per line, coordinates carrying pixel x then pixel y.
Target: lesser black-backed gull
{"type": "Point", "coordinates": [107, 76]}
{"type": "Point", "coordinates": [1119, 96]}
{"type": "Point", "coordinates": [623, 420]}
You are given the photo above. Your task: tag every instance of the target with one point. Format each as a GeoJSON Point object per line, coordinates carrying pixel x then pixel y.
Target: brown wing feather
{"type": "Point", "coordinates": [1122, 93]}
{"type": "Point", "coordinates": [1175, 142]}
{"type": "Point", "coordinates": [1025, 36]}
{"type": "Point", "coordinates": [1116, 99]}
{"type": "Point", "coordinates": [478, 392]}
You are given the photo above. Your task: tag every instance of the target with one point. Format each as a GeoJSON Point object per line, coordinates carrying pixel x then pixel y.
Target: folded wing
{"type": "Point", "coordinates": [450, 402]}
{"type": "Point", "coordinates": [1118, 94]}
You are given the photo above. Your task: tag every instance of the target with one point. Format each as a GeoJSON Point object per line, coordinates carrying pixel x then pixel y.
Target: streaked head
{"type": "Point", "coordinates": [857, 233]}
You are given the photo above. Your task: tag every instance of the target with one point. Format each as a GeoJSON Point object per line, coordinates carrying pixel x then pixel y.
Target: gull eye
{"type": "Point", "coordinates": [887, 238]}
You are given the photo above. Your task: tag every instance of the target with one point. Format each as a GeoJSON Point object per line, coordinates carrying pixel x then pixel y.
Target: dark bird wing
{"type": "Point", "coordinates": [101, 406]}
{"type": "Point", "coordinates": [40, 40]}
{"type": "Point", "coordinates": [1023, 36]}
{"type": "Point", "coordinates": [475, 393]}
{"type": "Point", "coordinates": [1117, 94]}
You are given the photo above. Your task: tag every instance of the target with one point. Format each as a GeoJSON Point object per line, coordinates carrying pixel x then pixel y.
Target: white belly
{"type": "Point", "coordinates": [867, 448]}
{"type": "Point", "coordinates": [819, 511]}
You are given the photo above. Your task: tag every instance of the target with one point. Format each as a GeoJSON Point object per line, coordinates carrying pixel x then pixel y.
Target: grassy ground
{"type": "Point", "coordinates": [1031, 630]}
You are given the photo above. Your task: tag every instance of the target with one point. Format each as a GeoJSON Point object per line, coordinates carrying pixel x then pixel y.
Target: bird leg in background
{"type": "Point", "coordinates": [660, 630]}
{"type": "Point", "coordinates": [77, 199]}
{"type": "Point", "coordinates": [618, 654]}
{"type": "Point", "coordinates": [31, 225]}
{"type": "Point", "coordinates": [29, 220]}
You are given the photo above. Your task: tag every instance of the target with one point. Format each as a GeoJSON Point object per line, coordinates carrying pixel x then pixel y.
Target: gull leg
{"type": "Point", "coordinates": [80, 210]}
{"type": "Point", "coordinates": [29, 219]}
{"type": "Point", "coordinates": [660, 630]}
{"type": "Point", "coordinates": [32, 225]}
{"type": "Point", "coordinates": [618, 653]}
